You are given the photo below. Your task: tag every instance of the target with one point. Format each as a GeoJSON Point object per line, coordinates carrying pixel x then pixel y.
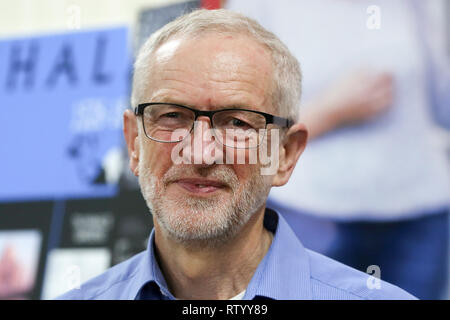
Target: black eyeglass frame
{"type": "Point", "coordinates": [270, 119]}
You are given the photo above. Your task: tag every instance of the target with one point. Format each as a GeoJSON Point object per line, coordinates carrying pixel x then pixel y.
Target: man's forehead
{"type": "Point", "coordinates": [217, 46]}
{"type": "Point", "coordinates": [226, 68]}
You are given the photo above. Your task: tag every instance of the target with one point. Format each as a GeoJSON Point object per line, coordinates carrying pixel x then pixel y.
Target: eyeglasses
{"type": "Point", "coordinates": [234, 127]}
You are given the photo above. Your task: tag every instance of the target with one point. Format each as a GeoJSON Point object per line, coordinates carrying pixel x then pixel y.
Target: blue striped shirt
{"type": "Point", "coordinates": [288, 271]}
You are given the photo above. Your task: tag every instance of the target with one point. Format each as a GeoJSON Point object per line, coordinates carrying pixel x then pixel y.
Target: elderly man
{"type": "Point", "coordinates": [209, 89]}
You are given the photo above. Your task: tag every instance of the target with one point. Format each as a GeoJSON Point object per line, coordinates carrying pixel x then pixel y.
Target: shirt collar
{"type": "Point", "coordinates": [283, 274]}
{"type": "Point", "coordinates": [149, 276]}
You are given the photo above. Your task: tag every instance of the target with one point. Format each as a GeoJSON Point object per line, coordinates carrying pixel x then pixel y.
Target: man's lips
{"type": "Point", "coordinates": [200, 185]}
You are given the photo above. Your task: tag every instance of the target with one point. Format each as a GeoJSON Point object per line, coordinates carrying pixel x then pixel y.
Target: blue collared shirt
{"type": "Point", "coordinates": [288, 271]}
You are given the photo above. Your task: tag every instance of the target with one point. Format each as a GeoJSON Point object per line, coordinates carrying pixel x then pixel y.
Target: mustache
{"type": "Point", "coordinates": [222, 174]}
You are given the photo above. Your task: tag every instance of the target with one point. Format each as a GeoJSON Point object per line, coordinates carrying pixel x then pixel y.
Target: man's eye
{"type": "Point", "coordinates": [171, 115]}
{"type": "Point", "coordinates": [239, 123]}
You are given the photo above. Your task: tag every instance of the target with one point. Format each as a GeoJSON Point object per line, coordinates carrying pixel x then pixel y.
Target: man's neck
{"type": "Point", "coordinates": [213, 273]}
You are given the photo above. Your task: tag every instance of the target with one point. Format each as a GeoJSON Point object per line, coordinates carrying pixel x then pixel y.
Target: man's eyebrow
{"type": "Point", "coordinates": [239, 106]}
{"type": "Point", "coordinates": [166, 99]}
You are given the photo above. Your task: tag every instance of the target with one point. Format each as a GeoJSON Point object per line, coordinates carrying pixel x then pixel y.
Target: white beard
{"type": "Point", "coordinates": [203, 222]}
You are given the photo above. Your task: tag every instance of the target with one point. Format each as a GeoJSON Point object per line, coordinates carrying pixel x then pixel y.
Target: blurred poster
{"type": "Point", "coordinates": [69, 268]}
{"type": "Point", "coordinates": [87, 223]}
{"type": "Point", "coordinates": [24, 237]}
{"type": "Point", "coordinates": [134, 223]}
{"type": "Point", "coordinates": [152, 19]}
{"type": "Point", "coordinates": [19, 257]}
{"type": "Point", "coordinates": [62, 99]}
{"type": "Point", "coordinates": [82, 250]}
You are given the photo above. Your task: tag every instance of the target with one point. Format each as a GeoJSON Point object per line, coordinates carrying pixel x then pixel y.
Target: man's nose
{"type": "Point", "coordinates": [204, 145]}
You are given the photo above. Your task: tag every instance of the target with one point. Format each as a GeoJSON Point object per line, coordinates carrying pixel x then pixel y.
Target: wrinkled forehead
{"type": "Point", "coordinates": [214, 57]}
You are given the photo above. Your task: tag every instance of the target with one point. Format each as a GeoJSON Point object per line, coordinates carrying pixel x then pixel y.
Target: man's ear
{"type": "Point", "coordinates": [291, 148]}
{"type": "Point", "coordinates": [131, 132]}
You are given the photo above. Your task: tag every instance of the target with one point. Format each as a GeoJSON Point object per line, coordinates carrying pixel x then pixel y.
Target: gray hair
{"type": "Point", "coordinates": [286, 69]}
